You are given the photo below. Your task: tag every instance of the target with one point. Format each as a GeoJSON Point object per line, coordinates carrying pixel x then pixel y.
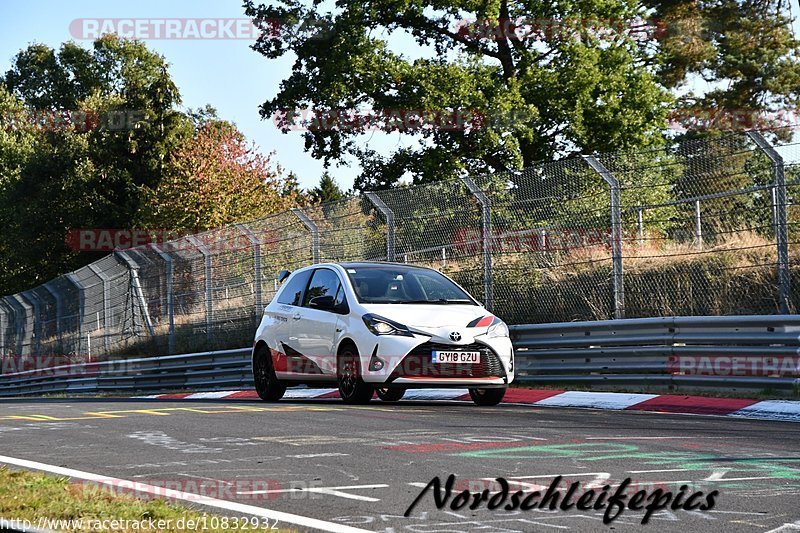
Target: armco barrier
{"type": "Point", "coordinates": [734, 352]}
{"type": "Point", "coordinates": [730, 352]}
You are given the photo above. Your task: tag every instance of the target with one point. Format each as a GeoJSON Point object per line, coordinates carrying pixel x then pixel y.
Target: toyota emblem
{"type": "Point", "coordinates": [455, 336]}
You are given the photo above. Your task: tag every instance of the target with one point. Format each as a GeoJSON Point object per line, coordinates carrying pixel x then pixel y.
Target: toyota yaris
{"type": "Point", "coordinates": [383, 327]}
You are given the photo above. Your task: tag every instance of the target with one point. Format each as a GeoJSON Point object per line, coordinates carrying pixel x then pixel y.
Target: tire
{"type": "Point", "coordinates": [268, 386]}
{"type": "Point", "coordinates": [352, 388]}
{"type": "Point", "coordinates": [487, 397]}
{"type": "Point", "coordinates": [390, 395]}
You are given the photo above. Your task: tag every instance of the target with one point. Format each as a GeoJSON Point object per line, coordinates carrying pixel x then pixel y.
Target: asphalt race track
{"type": "Point", "coordinates": [363, 466]}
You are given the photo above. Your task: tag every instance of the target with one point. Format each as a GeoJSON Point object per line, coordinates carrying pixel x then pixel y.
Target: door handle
{"type": "Point", "coordinates": [296, 316]}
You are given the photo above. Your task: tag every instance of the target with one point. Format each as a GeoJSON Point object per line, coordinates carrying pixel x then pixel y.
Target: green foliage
{"type": "Point", "coordinates": [327, 190]}
{"type": "Point", "coordinates": [215, 178]}
{"type": "Point", "coordinates": [524, 100]}
{"type": "Point", "coordinates": [744, 50]}
{"type": "Point", "coordinates": [92, 138]}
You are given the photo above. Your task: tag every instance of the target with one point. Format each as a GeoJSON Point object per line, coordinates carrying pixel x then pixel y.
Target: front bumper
{"type": "Point", "coordinates": [412, 366]}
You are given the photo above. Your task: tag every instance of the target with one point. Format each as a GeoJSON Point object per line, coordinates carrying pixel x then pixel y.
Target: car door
{"type": "Point", "coordinates": [315, 333]}
{"type": "Point", "coordinates": [284, 313]}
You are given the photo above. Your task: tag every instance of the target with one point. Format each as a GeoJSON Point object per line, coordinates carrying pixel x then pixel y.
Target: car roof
{"type": "Point", "coordinates": [366, 264]}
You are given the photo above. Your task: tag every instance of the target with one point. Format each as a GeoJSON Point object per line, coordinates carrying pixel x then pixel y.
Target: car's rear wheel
{"type": "Point", "coordinates": [352, 388]}
{"type": "Point", "coordinates": [268, 386]}
{"type": "Point", "coordinates": [487, 397]}
{"type": "Point", "coordinates": [390, 395]}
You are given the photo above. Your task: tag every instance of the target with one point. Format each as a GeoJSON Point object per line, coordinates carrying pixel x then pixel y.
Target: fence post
{"type": "Point", "coordinates": [81, 309]}
{"type": "Point", "coordinates": [170, 296]}
{"type": "Point", "coordinates": [486, 223]}
{"type": "Point", "coordinates": [36, 314]}
{"type": "Point", "coordinates": [209, 286]}
{"type": "Point", "coordinates": [59, 309]}
{"type": "Point", "coordinates": [779, 210]}
{"type": "Point", "coordinates": [3, 325]}
{"type": "Point", "coordinates": [698, 225]}
{"type": "Point", "coordinates": [388, 214]}
{"type": "Point", "coordinates": [256, 266]}
{"type": "Point", "coordinates": [106, 304]}
{"type": "Point", "coordinates": [640, 224]}
{"type": "Point", "coordinates": [308, 223]}
{"type": "Point", "coordinates": [133, 267]}
{"type": "Point", "coordinates": [616, 233]}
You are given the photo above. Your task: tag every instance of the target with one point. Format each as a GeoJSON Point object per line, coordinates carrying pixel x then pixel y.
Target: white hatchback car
{"type": "Point", "coordinates": [382, 327]}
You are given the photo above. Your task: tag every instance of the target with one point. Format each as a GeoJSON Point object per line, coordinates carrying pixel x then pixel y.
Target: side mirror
{"type": "Point", "coordinates": [324, 303]}
{"type": "Point", "coordinates": [282, 275]}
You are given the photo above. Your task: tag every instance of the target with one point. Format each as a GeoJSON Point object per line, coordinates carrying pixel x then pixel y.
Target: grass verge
{"type": "Point", "coordinates": [37, 497]}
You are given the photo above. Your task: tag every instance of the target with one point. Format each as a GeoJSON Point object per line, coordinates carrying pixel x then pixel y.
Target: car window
{"type": "Point", "coordinates": [292, 292]}
{"type": "Point", "coordinates": [397, 284]}
{"type": "Point", "coordinates": [324, 282]}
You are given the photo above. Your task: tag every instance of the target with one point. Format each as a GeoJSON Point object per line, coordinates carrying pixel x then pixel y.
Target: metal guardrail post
{"type": "Point", "coordinates": [616, 233]}
{"type": "Point", "coordinates": [170, 296]}
{"type": "Point", "coordinates": [256, 265]}
{"type": "Point", "coordinates": [106, 304]}
{"type": "Point", "coordinates": [209, 286]}
{"type": "Point", "coordinates": [136, 284]}
{"type": "Point", "coordinates": [779, 210]}
{"type": "Point", "coordinates": [486, 223]}
{"type": "Point", "coordinates": [388, 214]}
{"type": "Point", "coordinates": [312, 227]}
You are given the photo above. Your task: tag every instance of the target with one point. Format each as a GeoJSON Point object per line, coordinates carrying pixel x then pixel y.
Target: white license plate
{"type": "Point", "coordinates": [456, 357]}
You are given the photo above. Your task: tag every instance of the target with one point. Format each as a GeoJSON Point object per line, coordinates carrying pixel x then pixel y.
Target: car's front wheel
{"type": "Point", "coordinates": [487, 397]}
{"type": "Point", "coordinates": [352, 388]}
{"type": "Point", "coordinates": [268, 386]}
{"type": "Point", "coordinates": [390, 395]}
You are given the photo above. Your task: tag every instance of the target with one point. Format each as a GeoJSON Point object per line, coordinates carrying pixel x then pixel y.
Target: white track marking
{"type": "Point", "coordinates": [252, 510]}
{"type": "Point", "coordinates": [794, 526]}
{"type": "Point", "coordinates": [330, 491]}
{"type": "Point", "coordinates": [208, 395]}
{"type": "Point", "coordinates": [599, 400]}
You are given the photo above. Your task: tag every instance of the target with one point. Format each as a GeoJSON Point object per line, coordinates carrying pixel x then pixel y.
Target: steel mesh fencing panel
{"type": "Point", "coordinates": [153, 273]}
{"type": "Point", "coordinates": [698, 235]}
{"type": "Point", "coordinates": [69, 315]}
{"type": "Point", "coordinates": [348, 230]}
{"type": "Point", "coordinates": [46, 318]}
{"type": "Point", "coordinates": [439, 225]}
{"type": "Point", "coordinates": [120, 306]}
{"type": "Point", "coordinates": [93, 317]}
{"type": "Point", "coordinates": [551, 243]}
{"type": "Point", "coordinates": [285, 243]}
{"type": "Point", "coordinates": [233, 286]}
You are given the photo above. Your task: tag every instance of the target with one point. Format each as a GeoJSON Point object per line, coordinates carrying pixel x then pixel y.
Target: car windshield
{"type": "Point", "coordinates": [397, 284]}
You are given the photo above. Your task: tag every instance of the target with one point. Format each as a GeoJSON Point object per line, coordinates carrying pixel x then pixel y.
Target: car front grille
{"type": "Point", "coordinates": [419, 363]}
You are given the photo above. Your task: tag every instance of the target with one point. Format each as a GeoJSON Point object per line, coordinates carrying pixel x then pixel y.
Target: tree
{"type": "Point", "coordinates": [516, 98]}
{"type": "Point", "coordinates": [216, 178]}
{"type": "Point", "coordinates": [327, 190]}
{"type": "Point", "coordinates": [744, 49]}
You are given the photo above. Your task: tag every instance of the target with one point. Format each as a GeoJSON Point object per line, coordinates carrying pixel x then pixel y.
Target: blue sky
{"type": "Point", "coordinates": [224, 73]}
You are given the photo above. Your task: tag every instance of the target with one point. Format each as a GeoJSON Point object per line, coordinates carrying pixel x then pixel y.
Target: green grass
{"type": "Point", "coordinates": [29, 496]}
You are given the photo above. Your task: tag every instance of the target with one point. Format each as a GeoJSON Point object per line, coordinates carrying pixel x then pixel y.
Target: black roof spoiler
{"type": "Point", "coordinates": [282, 275]}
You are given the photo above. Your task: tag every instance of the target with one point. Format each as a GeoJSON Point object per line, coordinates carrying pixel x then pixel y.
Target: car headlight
{"type": "Point", "coordinates": [497, 329]}
{"type": "Point", "coordinates": [379, 325]}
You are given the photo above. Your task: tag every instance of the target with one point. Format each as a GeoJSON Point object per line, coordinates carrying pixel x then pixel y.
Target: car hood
{"type": "Point", "coordinates": [438, 320]}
